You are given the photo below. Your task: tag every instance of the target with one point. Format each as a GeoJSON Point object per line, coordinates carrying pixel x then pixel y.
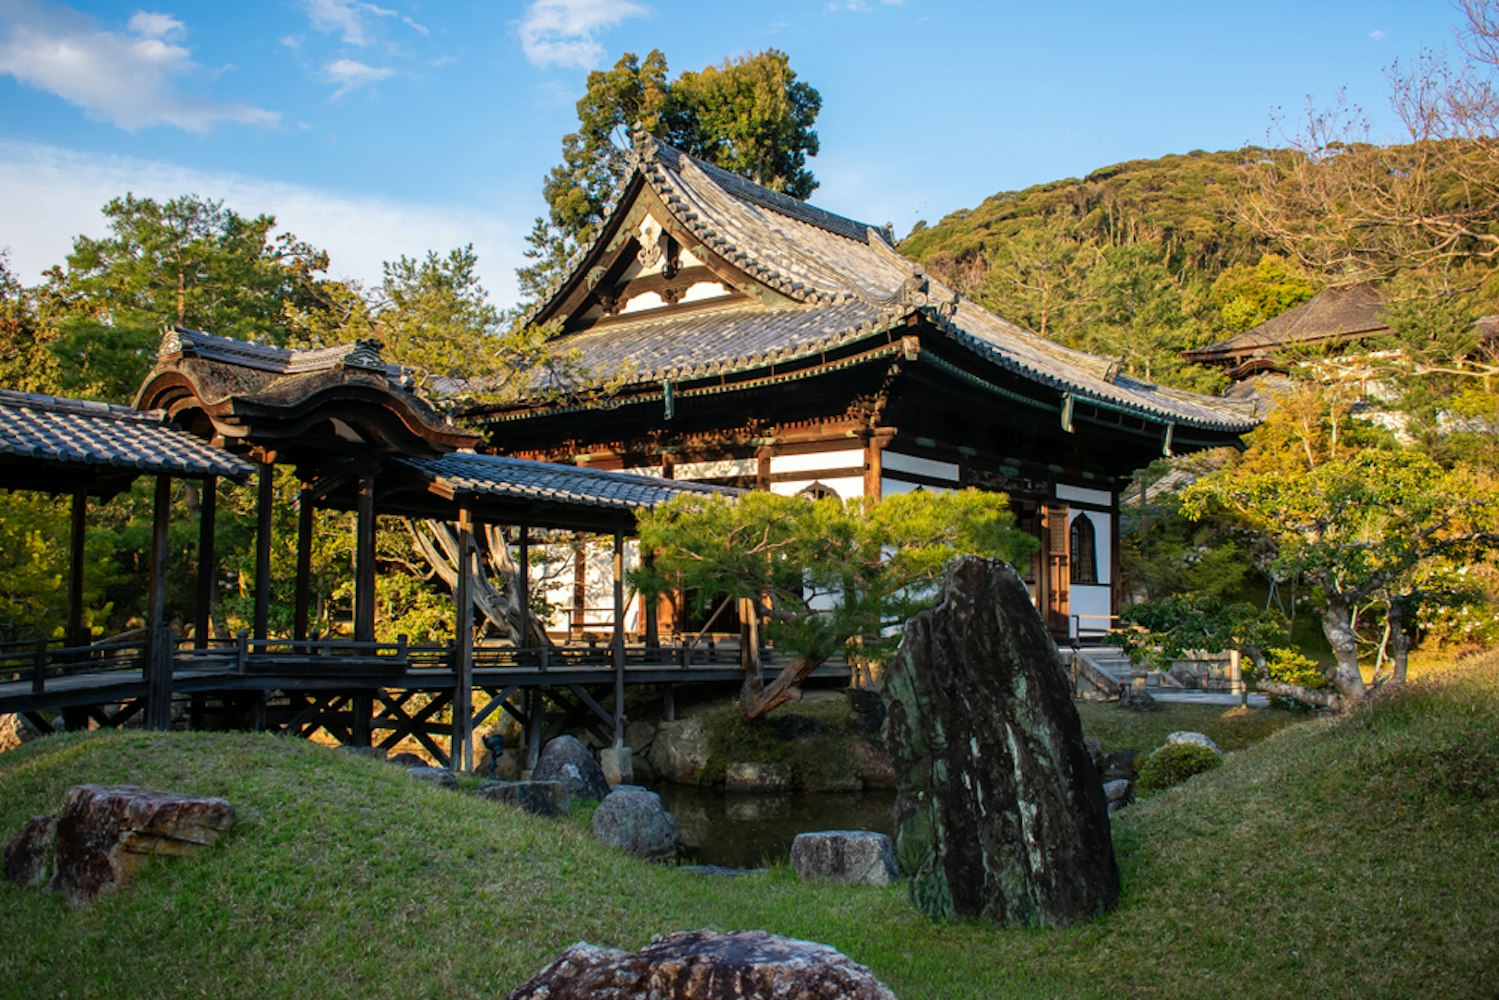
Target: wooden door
{"type": "Point", "coordinates": [1056, 574]}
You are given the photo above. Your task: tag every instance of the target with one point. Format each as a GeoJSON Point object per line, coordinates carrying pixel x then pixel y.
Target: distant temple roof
{"type": "Point", "coordinates": [1348, 312]}
{"type": "Point", "coordinates": [51, 443]}
{"type": "Point", "coordinates": [799, 283]}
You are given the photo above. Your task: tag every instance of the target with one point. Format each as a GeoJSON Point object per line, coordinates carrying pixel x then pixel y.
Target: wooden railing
{"type": "Point", "coordinates": [48, 659]}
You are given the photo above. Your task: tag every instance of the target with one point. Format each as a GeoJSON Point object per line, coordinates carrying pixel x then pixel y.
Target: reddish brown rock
{"type": "Point", "coordinates": [28, 855]}
{"type": "Point", "coordinates": [704, 965]}
{"type": "Point", "coordinates": [1000, 814]}
{"type": "Point", "coordinates": [104, 832]}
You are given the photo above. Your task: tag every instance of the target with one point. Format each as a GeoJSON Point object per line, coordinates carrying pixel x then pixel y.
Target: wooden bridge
{"type": "Point", "coordinates": [364, 693]}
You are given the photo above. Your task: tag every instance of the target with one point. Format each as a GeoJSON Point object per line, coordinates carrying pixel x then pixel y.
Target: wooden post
{"type": "Point", "coordinates": [362, 704]}
{"type": "Point", "coordinates": [535, 717]}
{"type": "Point", "coordinates": [580, 587]}
{"type": "Point", "coordinates": [208, 506]}
{"type": "Point", "coordinates": [1236, 677]}
{"type": "Point", "coordinates": [302, 611]}
{"type": "Point", "coordinates": [460, 754]}
{"type": "Point", "coordinates": [265, 485]}
{"type": "Point", "coordinates": [75, 635]}
{"type": "Point", "coordinates": [619, 638]}
{"type": "Point", "coordinates": [525, 588]}
{"type": "Point", "coordinates": [364, 562]}
{"type": "Point", "coordinates": [651, 607]}
{"type": "Point", "coordinates": [158, 665]}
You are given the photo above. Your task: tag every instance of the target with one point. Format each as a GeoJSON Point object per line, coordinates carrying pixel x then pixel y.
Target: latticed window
{"type": "Point", "coordinates": [1083, 551]}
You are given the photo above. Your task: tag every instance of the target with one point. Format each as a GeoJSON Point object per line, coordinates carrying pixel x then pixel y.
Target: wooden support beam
{"type": "Point", "coordinates": [75, 636]}
{"type": "Point", "coordinates": [525, 588]}
{"type": "Point", "coordinates": [535, 719]}
{"type": "Point", "coordinates": [265, 485]}
{"type": "Point", "coordinates": [302, 611]}
{"type": "Point", "coordinates": [618, 642]}
{"type": "Point", "coordinates": [364, 562]}
{"type": "Point", "coordinates": [650, 605]}
{"type": "Point", "coordinates": [208, 505]}
{"type": "Point", "coordinates": [460, 754]}
{"type": "Point", "coordinates": [363, 709]}
{"type": "Point", "coordinates": [158, 666]}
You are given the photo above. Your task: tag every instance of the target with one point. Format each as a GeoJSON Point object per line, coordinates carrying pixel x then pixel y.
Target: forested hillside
{"type": "Point", "coordinates": [1139, 260]}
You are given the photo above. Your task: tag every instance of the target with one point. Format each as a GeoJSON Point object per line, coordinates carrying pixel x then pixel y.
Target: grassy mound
{"type": "Point", "coordinates": [1345, 857]}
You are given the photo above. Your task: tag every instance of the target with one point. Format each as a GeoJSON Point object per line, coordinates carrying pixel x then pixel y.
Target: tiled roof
{"type": "Point", "coordinates": [845, 282]}
{"type": "Point", "coordinates": [469, 474]}
{"type": "Point", "coordinates": [1340, 311]}
{"type": "Point", "coordinates": [76, 432]}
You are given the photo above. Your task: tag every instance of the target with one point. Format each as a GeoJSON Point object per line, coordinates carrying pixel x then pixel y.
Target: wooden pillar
{"type": "Point", "coordinates": [302, 612]}
{"type": "Point", "coordinates": [208, 507]}
{"type": "Point", "coordinates": [364, 562]}
{"type": "Point", "coordinates": [651, 606]}
{"type": "Point", "coordinates": [525, 587]}
{"type": "Point", "coordinates": [762, 467]}
{"type": "Point", "coordinates": [75, 635]}
{"type": "Point", "coordinates": [158, 666]}
{"type": "Point", "coordinates": [874, 462]}
{"type": "Point", "coordinates": [1115, 583]}
{"type": "Point", "coordinates": [535, 719]}
{"type": "Point", "coordinates": [580, 586]}
{"type": "Point", "coordinates": [362, 704]}
{"type": "Point", "coordinates": [619, 638]}
{"type": "Point", "coordinates": [265, 487]}
{"type": "Point", "coordinates": [460, 752]}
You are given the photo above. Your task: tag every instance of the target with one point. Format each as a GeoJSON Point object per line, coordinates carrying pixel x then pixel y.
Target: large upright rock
{"type": "Point", "coordinates": [567, 760]}
{"type": "Point", "coordinates": [703, 965]}
{"type": "Point", "coordinates": [634, 820]}
{"type": "Point", "coordinates": [999, 811]}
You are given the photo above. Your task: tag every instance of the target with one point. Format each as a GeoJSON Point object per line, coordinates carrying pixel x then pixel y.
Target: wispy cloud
{"type": "Point", "coordinates": [353, 21]}
{"type": "Point", "coordinates": [350, 74]}
{"type": "Point", "coordinates": [54, 194]}
{"type": "Point", "coordinates": [862, 6]}
{"type": "Point", "coordinates": [1378, 34]}
{"type": "Point", "coordinates": [131, 78]}
{"type": "Point", "coordinates": [564, 32]}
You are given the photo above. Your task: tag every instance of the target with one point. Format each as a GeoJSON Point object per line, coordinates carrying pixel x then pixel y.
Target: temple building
{"type": "Point", "coordinates": [753, 340]}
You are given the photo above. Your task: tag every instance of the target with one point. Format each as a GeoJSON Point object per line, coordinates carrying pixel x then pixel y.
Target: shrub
{"type": "Point", "coordinates": [1171, 765]}
{"type": "Point", "coordinates": [1287, 666]}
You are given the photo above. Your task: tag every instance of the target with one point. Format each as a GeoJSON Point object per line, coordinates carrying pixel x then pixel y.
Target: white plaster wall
{"type": "Point", "coordinates": [845, 487]}
{"type": "Point", "coordinates": [890, 487]}
{"type": "Point", "coordinates": [724, 469]}
{"type": "Point", "coordinates": [1082, 494]}
{"type": "Point", "coordinates": [897, 461]}
{"type": "Point", "coordinates": [852, 458]}
{"type": "Point", "coordinates": [1094, 599]}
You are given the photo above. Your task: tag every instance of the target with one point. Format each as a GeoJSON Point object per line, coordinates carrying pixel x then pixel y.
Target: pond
{"type": "Point", "coordinates": [741, 830]}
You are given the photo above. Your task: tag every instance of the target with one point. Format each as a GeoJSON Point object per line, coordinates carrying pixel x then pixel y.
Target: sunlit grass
{"type": "Point", "coordinates": [1350, 857]}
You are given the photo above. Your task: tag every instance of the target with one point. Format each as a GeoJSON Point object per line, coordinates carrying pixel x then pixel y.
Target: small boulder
{"type": "Point", "coordinates": [638, 736]}
{"type": "Point", "coordinates": [679, 753]}
{"type": "Point", "coordinates": [1187, 736]}
{"type": "Point", "coordinates": [833, 777]}
{"type": "Point", "coordinates": [439, 776]}
{"type": "Point", "coordinates": [858, 857]}
{"type": "Point", "coordinates": [701, 964]}
{"type": "Point", "coordinates": [634, 820]}
{"type": "Point", "coordinates": [617, 765]}
{"type": "Point", "coordinates": [1118, 793]}
{"type": "Point", "coordinates": [29, 856]}
{"type": "Point", "coordinates": [567, 760]}
{"type": "Point", "coordinates": [872, 762]}
{"type": "Point", "coordinates": [105, 832]}
{"type": "Point", "coordinates": [539, 798]}
{"type": "Point", "coordinates": [407, 759]}
{"type": "Point", "coordinates": [1135, 698]}
{"type": "Point", "coordinates": [1120, 764]}
{"type": "Point", "coordinates": [749, 776]}
{"type": "Point", "coordinates": [15, 730]}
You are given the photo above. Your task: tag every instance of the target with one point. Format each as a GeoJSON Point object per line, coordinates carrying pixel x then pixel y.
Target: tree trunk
{"type": "Point", "coordinates": [1317, 699]}
{"type": "Point", "coordinates": [438, 545]}
{"type": "Point", "coordinates": [755, 701]}
{"type": "Point", "coordinates": [1400, 642]}
{"type": "Point", "coordinates": [1337, 625]}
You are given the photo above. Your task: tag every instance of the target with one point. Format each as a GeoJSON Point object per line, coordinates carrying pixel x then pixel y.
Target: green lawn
{"type": "Point", "coordinates": [1351, 857]}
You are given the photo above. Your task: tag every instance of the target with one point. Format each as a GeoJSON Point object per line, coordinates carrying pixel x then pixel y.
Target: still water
{"type": "Point", "coordinates": [741, 830]}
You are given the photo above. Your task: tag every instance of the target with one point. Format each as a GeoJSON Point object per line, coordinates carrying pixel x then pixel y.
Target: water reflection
{"type": "Point", "coordinates": [748, 830]}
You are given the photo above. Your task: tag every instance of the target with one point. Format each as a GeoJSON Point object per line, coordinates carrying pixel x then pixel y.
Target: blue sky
{"type": "Point", "coordinates": [376, 129]}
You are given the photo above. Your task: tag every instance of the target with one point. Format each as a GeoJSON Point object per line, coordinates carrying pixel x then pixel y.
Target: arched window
{"type": "Point", "coordinates": [1084, 558]}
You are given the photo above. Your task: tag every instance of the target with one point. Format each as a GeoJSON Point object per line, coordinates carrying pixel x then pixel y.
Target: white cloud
{"type": "Point", "coordinates": [350, 75]}
{"type": "Point", "coordinates": [563, 32]}
{"type": "Point", "coordinates": [129, 78]}
{"type": "Point", "coordinates": [55, 194]}
{"type": "Point", "coordinates": [1378, 34]}
{"type": "Point", "coordinates": [353, 21]}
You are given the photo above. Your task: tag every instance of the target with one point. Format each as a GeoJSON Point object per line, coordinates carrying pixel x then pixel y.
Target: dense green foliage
{"type": "Point", "coordinates": [791, 555]}
{"type": "Point", "coordinates": [750, 115]}
{"type": "Point", "coordinates": [1173, 764]}
{"type": "Point", "coordinates": [1291, 864]}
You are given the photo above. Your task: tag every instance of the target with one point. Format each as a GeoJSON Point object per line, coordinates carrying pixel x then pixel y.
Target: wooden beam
{"type": "Point", "coordinates": [364, 562]}
{"type": "Point", "coordinates": [75, 635]}
{"type": "Point", "coordinates": [264, 496]}
{"type": "Point", "coordinates": [158, 666]}
{"type": "Point", "coordinates": [208, 505]}
{"type": "Point", "coordinates": [460, 754]}
{"type": "Point", "coordinates": [302, 611]}
{"type": "Point", "coordinates": [525, 588]}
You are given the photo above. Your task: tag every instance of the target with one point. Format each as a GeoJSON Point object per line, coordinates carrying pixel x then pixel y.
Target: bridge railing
{"type": "Point", "coordinates": [48, 659]}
